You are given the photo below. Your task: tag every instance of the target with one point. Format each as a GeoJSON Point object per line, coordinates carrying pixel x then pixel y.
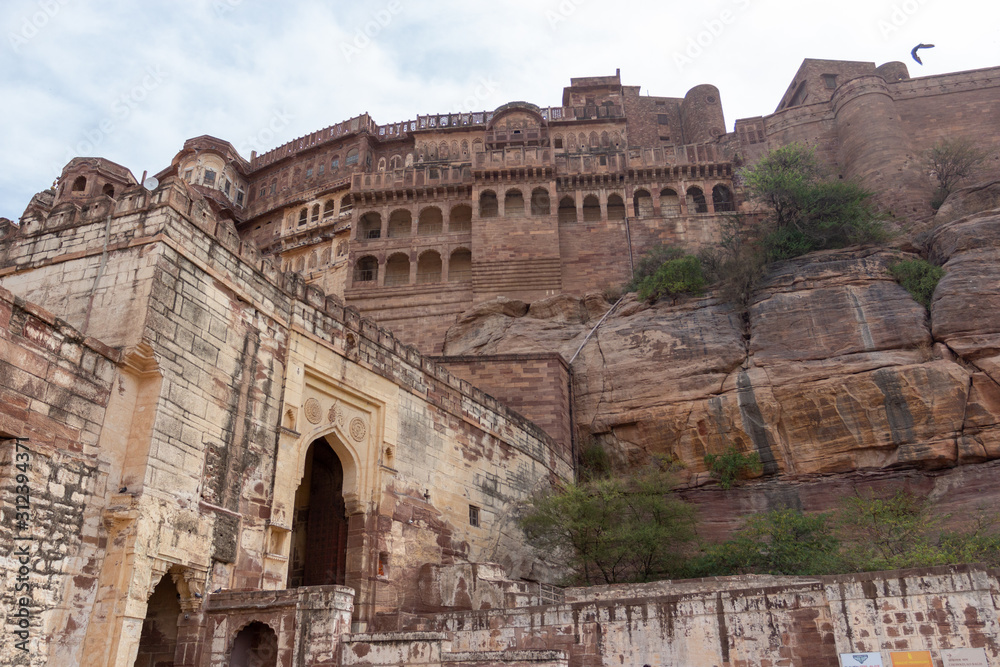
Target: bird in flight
{"type": "Point", "coordinates": [918, 47]}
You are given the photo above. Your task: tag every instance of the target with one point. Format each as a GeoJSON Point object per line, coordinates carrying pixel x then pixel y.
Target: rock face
{"type": "Point", "coordinates": [838, 369]}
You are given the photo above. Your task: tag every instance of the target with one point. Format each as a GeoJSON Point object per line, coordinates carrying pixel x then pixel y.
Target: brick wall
{"type": "Point", "coordinates": [534, 385]}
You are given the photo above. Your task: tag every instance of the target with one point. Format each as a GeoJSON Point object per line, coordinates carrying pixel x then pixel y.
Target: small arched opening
{"type": "Point", "coordinates": [488, 205]}
{"type": "Point", "coordinates": [400, 224]}
{"type": "Point", "coordinates": [460, 266]}
{"type": "Point", "coordinates": [397, 270]}
{"type": "Point", "coordinates": [696, 200]}
{"type": "Point", "coordinates": [642, 204]}
{"type": "Point", "coordinates": [108, 190]}
{"type": "Point", "coordinates": [513, 203]}
{"type": "Point", "coordinates": [158, 637]}
{"type": "Point", "coordinates": [540, 202]}
{"type": "Point", "coordinates": [315, 214]}
{"type": "Point", "coordinates": [722, 199]}
{"type": "Point", "coordinates": [429, 267]}
{"type": "Point", "coordinates": [303, 217]}
{"type": "Point", "coordinates": [430, 221]}
{"type": "Point", "coordinates": [616, 208]}
{"type": "Point", "coordinates": [80, 184]}
{"type": "Point", "coordinates": [567, 209]}
{"type": "Point", "coordinates": [591, 208]}
{"type": "Point", "coordinates": [670, 203]}
{"type": "Point", "coordinates": [370, 226]}
{"type": "Point", "coordinates": [256, 645]}
{"type": "Point", "coordinates": [366, 270]}
{"type": "Point", "coordinates": [460, 219]}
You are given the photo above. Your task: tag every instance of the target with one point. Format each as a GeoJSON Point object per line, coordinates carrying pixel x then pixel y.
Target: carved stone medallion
{"type": "Point", "coordinates": [358, 429]}
{"type": "Point", "coordinates": [313, 411]}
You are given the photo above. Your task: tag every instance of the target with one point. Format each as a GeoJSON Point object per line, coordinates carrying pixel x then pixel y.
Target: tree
{"type": "Point", "coordinates": [613, 529]}
{"type": "Point", "coordinates": [808, 211]}
{"type": "Point", "coordinates": [777, 542]}
{"type": "Point", "coordinates": [952, 161]}
{"type": "Point", "coordinates": [673, 278]}
{"type": "Point", "coordinates": [732, 465]}
{"type": "Point", "coordinates": [889, 533]}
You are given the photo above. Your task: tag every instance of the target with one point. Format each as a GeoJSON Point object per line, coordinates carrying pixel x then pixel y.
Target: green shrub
{"type": "Point", "coordinates": [673, 278]}
{"type": "Point", "coordinates": [777, 542]}
{"type": "Point", "coordinates": [807, 211]}
{"type": "Point", "coordinates": [613, 529]}
{"type": "Point", "coordinates": [650, 261]}
{"type": "Point", "coordinates": [919, 277]}
{"type": "Point", "coordinates": [732, 465]}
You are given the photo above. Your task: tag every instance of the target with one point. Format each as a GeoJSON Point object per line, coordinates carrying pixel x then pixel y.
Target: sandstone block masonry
{"type": "Point", "coordinates": [244, 434]}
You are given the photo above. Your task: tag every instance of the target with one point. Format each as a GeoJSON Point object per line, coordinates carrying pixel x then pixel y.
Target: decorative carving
{"type": "Point", "coordinates": [314, 413]}
{"type": "Point", "coordinates": [358, 429]}
{"type": "Point", "coordinates": [336, 414]}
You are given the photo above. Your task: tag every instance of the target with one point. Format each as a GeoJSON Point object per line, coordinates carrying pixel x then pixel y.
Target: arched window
{"type": "Point", "coordinates": [465, 147]}
{"type": "Point", "coordinates": [341, 249]}
{"type": "Point", "coordinates": [400, 226]}
{"type": "Point", "coordinates": [540, 202]}
{"type": "Point", "coordinates": [315, 214]}
{"type": "Point", "coordinates": [443, 150]}
{"type": "Point", "coordinates": [397, 270]}
{"type": "Point", "coordinates": [488, 206]}
{"type": "Point", "coordinates": [460, 266]}
{"type": "Point", "coordinates": [605, 140]}
{"type": "Point", "coordinates": [477, 146]}
{"type": "Point", "coordinates": [616, 207]}
{"type": "Point", "coordinates": [396, 162]}
{"type": "Point", "coordinates": [303, 216]}
{"type": "Point", "coordinates": [594, 140]}
{"type": "Point", "coordinates": [346, 204]}
{"type": "Point", "coordinates": [352, 157]}
{"type": "Point", "coordinates": [696, 200]}
{"type": "Point", "coordinates": [591, 208]}
{"type": "Point", "coordinates": [429, 267]}
{"type": "Point", "coordinates": [370, 226]}
{"type": "Point", "coordinates": [513, 202]}
{"type": "Point", "coordinates": [670, 204]}
{"type": "Point", "coordinates": [324, 257]}
{"type": "Point", "coordinates": [722, 199]}
{"type": "Point", "coordinates": [567, 209]}
{"type": "Point", "coordinates": [642, 204]}
{"type": "Point", "coordinates": [460, 219]}
{"type": "Point", "coordinates": [328, 208]}
{"type": "Point", "coordinates": [108, 190]}
{"type": "Point", "coordinates": [80, 184]}
{"type": "Point", "coordinates": [366, 270]}
{"type": "Point", "coordinates": [256, 644]}
{"type": "Point", "coordinates": [430, 221]}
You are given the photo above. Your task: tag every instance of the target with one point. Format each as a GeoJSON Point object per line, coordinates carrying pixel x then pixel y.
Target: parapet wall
{"type": "Point", "coordinates": [741, 621]}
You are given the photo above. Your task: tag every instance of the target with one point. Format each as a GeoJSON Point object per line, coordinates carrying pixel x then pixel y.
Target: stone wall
{"type": "Point", "coordinates": [535, 385]}
{"type": "Point", "coordinates": [738, 621]}
{"type": "Point", "coordinates": [56, 385]}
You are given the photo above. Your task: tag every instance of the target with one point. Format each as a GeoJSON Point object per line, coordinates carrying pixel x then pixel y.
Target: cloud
{"type": "Point", "coordinates": [231, 67]}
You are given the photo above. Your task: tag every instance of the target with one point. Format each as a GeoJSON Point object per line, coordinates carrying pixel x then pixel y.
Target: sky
{"type": "Point", "coordinates": [131, 80]}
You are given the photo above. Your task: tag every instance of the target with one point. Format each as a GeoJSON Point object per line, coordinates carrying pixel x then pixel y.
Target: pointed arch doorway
{"type": "Point", "coordinates": [319, 529]}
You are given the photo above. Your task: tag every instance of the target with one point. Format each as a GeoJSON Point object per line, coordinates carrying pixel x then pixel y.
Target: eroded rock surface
{"type": "Point", "coordinates": [839, 369]}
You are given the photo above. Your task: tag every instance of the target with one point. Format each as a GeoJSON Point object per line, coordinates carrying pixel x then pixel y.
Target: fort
{"type": "Point", "coordinates": [232, 434]}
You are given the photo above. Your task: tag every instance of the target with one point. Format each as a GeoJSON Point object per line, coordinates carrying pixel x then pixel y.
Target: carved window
{"type": "Point", "coordinates": [473, 516]}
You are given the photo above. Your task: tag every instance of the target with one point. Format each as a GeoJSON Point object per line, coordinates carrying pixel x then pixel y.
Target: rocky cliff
{"type": "Point", "coordinates": [839, 372]}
